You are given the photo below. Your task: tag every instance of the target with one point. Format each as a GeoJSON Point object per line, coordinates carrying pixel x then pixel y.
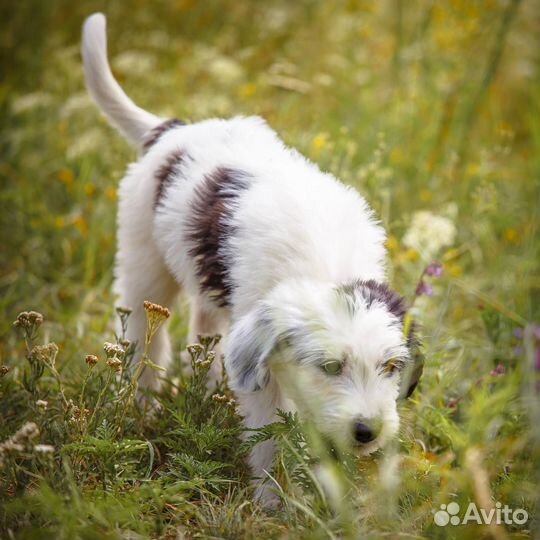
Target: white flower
{"type": "Point", "coordinates": [134, 63]}
{"type": "Point", "coordinates": [225, 70]}
{"type": "Point", "coordinates": [44, 448]}
{"type": "Point", "coordinates": [85, 143]}
{"type": "Point", "coordinates": [74, 104]}
{"type": "Point", "coordinates": [31, 101]}
{"type": "Point", "coordinates": [429, 233]}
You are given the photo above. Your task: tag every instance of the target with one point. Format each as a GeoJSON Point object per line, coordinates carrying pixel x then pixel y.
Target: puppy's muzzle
{"type": "Point", "coordinates": [366, 431]}
{"type": "Point", "coordinates": [363, 433]}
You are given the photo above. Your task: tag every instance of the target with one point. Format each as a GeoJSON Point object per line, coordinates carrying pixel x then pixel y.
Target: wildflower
{"type": "Point", "coordinates": [319, 141]}
{"type": "Point", "coordinates": [74, 104]}
{"type": "Point", "coordinates": [247, 90]}
{"type": "Point", "coordinates": [26, 432]}
{"type": "Point", "coordinates": [498, 371]}
{"type": "Point", "coordinates": [517, 333]}
{"type": "Point", "coordinates": [115, 363]}
{"type": "Point", "coordinates": [226, 70]}
{"type": "Point", "coordinates": [90, 189]}
{"type": "Point", "coordinates": [10, 446]}
{"type": "Point", "coordinates": [66, 176]}
{"type": "Point", "coordinates": [45, 353]}
{"type": "Point", "coordinates": [3, 370]}
{"type": "Point", "coordinates": [28, 319]}
{"type": "Point", "coordinates": [91, 359]}
{"type": "Point", "coordinates": [511, 236]}
{"type": "Point", "coordinates": [156, 311]}
{"type": "Point", "coordinates": [220, 398]}
{"type": "Point", "coordinates": [155, 316]}
{"type": "Point", "coordinates": [392, 243]}
{"type": "Point", "coordinates": [85, 143]}
{"type": "Point", "coordinates": [113, 350]}
{"type": "Point", "coordinates": [429, 233]}
{"type": "Point", "coordinates": [195, 349]}
{"type": "Point", "coordinates": [434, 269]}
{"type": "Point", "coordinates": [110, 193]}
{"type": "Point", "coordinates": [31, 101]}
{"type": "Point", "coordinates": [42, 404]}
{"type": "Point", "coordinates": [134, 62]}
{"type": "Point", "coordinates": [44, 448]}
{"type": "Point", "coordinates": [424, 288]}
{"type": "Point", "coordinates": [454, 269]}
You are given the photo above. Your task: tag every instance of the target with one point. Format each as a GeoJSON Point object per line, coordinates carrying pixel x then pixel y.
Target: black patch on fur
{"type": "Point", "coordinates": [210, 226]}
{"type": "Point", "coordinates": [165, 174]}
{"type": "Point", "coordinates": [373, 291]}
{"type": "Point", "coordinates": [155, 134]}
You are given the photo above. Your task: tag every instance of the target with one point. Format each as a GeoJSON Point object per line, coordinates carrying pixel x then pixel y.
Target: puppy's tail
{"type": "Point", "coordinates": [132, 121]}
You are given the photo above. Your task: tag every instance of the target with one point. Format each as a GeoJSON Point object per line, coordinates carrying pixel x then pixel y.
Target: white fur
{"type": "Point", "coordinates": [299, 235]}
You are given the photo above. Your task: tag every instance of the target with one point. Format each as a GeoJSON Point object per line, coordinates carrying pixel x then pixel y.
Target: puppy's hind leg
{"type": "Point", "coordinates": [142, 275]}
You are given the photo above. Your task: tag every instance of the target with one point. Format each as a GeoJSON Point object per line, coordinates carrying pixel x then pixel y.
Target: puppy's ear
{"type": "Point", "coordinates": [249, 346]}
{"type": "Point", "coordinates": [411, 374]}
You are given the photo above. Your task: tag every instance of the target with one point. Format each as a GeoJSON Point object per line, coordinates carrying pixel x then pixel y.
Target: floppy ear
{"type": "Point", "coordinates": [410, 375]}
{"type": "Point", "coordinates": [250, 343]}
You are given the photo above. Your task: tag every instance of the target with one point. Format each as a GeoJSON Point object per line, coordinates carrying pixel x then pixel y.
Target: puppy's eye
{"type": "Point", "coordinates": [391, 367]}
{"type": "Point", "coordinates": [333, 367]}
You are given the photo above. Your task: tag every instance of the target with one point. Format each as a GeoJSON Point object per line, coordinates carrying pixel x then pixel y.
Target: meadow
{"type": "Point", "coordinates": [431, 109]}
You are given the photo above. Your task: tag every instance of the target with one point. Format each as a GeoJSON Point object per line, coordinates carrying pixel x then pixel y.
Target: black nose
{"type": "Point", "coordinates": [363, 433]}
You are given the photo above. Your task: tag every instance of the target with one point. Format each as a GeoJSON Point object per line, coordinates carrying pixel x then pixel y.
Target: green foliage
{"type": "Point", "coordinates": [430, 109]}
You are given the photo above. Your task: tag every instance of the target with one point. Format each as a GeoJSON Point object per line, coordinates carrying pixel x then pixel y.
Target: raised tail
{"type": "Point", "coordinates": [132, 121]}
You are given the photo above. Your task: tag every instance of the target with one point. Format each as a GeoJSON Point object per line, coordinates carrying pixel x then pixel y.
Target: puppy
{"type": "Point", "coordinates": [282, 259]}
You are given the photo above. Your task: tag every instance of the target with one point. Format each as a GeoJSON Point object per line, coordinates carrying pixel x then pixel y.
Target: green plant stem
{"type": "Point", "coordinates": [100, 397]}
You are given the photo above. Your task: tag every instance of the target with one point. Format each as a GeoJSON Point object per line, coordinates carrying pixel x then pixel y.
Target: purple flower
{"type": "Point", "coordinates": [434, 269]}
{"type": "Point", "coordinates": [517, 333]}
{"type": "Point", "coordinates": [499, 370]}
{"type": "Point", "coordinates": [537, 360]}
{"type": "Point", "coordinates": [424, 288]}
{"type": "Point", "coordinates": [536, 331]}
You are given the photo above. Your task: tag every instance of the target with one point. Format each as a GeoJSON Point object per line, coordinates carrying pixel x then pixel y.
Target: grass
{"type": "Point", "coordinates": [424, 106]}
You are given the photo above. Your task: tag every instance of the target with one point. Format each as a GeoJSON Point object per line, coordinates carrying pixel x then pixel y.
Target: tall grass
{"type": "Point", "coordinates": [430, 109]}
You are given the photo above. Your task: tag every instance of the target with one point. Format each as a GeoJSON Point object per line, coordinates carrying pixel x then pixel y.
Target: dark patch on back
{"type": "Point", "coordinates": [209, 227]}
{"type": "Point", "coordinates": [165, 174]}
{"type": "Point", "coordinates": [155, 134]}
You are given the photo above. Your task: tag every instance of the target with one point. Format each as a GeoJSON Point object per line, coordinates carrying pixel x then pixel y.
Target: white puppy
{"type": "Point", "coordinates": [283, 259]}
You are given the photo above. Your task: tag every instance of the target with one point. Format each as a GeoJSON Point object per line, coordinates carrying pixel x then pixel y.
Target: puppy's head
{"type": "Point", "coordinates": [339, 353]}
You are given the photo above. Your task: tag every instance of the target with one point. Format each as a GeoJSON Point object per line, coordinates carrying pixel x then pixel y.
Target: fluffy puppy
{"type": "Point", "coordinates": [282, 259]}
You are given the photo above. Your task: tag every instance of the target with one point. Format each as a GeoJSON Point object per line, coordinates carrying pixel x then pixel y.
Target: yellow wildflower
{"type": "Point", "coordinates": [247, 90]}
{"type": "Point", "coordinates": [511, 235]}
{"type": "Point", "coordinates": [66, 176]}
{"type": "Point", "coordinates": [110, 193]}
{"type": "Point", "coordinates": [392, 243]}
{"type": "Point", "coordinates": [319, 142]}
{"type": "Point", "coordinates": [81, 225]}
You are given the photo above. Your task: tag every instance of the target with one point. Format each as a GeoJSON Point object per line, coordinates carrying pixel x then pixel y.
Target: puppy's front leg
{"type": "Point", "coordinates": [259, 409]}
{"type": "Point", "coordinates": [261, 461]}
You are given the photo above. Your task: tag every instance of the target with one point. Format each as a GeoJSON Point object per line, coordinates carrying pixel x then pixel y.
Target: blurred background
{"type": "Point", "coordinates": [430, 108]}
